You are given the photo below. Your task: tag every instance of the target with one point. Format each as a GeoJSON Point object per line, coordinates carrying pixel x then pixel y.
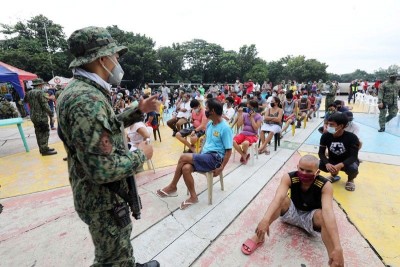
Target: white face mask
{"type": "Point", "coordinates": [331, 130]}
{"type": "Point", "coordinates": [115, 76]}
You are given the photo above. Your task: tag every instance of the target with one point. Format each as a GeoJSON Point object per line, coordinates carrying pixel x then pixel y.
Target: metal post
{"type": "Point", "coordinates": [48, 49]}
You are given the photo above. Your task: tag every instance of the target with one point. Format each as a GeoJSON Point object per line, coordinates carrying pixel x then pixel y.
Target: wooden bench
{"type": "Point", "coordinates": [18, 122]}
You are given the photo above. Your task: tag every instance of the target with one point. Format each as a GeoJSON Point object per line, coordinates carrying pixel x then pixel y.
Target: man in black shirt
{"type": "Point", "coordinates": [342, 148]}
{"type": "Point", "coordinates": [309, 207]}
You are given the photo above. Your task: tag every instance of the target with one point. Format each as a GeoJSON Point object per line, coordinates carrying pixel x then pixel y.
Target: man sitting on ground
{"type": "Point", "coordinates": [199, 122]}
{"type": "Point", "coordinates": [342, 148]}
{"type": "Point", "coordinates": [215, 155]}
{"type": "Point", "coordinates": [308, 207]}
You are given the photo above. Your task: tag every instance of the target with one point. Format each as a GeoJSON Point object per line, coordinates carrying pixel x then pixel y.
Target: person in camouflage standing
{"type": "Point", "coordinates": [7, 110]}
{"type": "Point", "coordinates": [40, 113]}
{"type": "Point", "coordinates": [387, 100]}
{"type": "Point", "coordinates": [93, 138]}
{"type": "Point", "coordinates": [330, 94]}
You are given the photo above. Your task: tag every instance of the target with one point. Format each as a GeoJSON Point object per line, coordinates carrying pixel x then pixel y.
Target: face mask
{"type": "Point", "coordinates": [244, 100]}
{"type": "Point", "coordinates": [207, 112]}
{"type": "Point", "coordinates": [306, 177]}
{"type": "Point", "coordinates": [272, 105]}
{"type": "Point", "coordinates": [197, 110]}
{"type": "Point", "coordinates": [289, 101]}
{"type": "Point", "coordinates": [331, 130]}
{"type": "Point", "coordinates": [115, 76]}
{"type": "Point", "coordinates": [273, 94]}
{"type": "Point", "coordinates": [305, 96]}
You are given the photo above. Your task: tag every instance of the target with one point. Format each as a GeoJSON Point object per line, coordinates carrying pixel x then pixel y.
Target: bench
{"type": "Point", "coordinates": [18, 122]}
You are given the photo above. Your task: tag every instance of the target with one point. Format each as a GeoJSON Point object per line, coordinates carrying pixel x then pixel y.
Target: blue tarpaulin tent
{"type": "Point", "coordinates": [16, 77]}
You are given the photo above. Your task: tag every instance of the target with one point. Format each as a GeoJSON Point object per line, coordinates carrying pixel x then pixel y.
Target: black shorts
{"type": "Point", "coordinates": [188, 131]}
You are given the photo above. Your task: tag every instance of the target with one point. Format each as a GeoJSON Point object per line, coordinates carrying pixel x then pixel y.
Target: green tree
{"type": "Point", "coordinates": [171, 63]}
{"type": "Point", "coordinates": [246, 58]}
{"type": "Point", "coordinates": [140, 62]}
{"type": "Point", "coordinates": [28, 41]}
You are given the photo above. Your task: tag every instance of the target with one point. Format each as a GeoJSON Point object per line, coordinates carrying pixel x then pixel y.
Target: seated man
{"type": "Point", "coordinates": [341, 107]}
{"type": "Point", "coordinates": [308, 207]}
{"type": "Point", "coordinates": [342, 148]}
{"type": "Point", "coordinates": [251, 122]}
{"type": "Point", "coordinates": [331, 110]}
{"type": "Point", "coordinates": [289, 110]}
{"type": "Point", "coordinates": [215, 155]}
{"type": "Point", "coordinates": [182, 117]}
{"type": "Point", "coordinates": [199, 122]}
{"type": "Point", "coordinates": [229, 111]}
{"type": "Point", "coordinates": [304, 107]}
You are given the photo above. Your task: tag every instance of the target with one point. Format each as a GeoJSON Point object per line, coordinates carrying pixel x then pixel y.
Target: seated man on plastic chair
{"type": "Point", "coordinates": [199, 122]}
{"type": "Point", "coordinates": [215, 155]}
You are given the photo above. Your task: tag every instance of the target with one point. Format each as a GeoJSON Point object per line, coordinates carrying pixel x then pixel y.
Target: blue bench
{"type": "Point", "coordinates": [18, 122]}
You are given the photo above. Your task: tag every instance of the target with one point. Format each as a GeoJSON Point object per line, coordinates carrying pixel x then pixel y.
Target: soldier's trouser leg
{"type": "Point", "coordinates": [42, 134]}
{"type": "Point", "coordinates": [392, 112]}
{"type": "Point", "coordinates": [382, 117]}
{"type": "Point", "coordinates": [112, 243]}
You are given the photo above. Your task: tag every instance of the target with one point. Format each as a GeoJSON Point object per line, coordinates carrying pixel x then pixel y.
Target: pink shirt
{"type": "Point", "coordinates": [198, 118]}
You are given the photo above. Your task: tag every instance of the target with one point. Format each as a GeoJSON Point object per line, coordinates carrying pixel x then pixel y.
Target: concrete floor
{"type": "Point", "coordinates": [39, 226]}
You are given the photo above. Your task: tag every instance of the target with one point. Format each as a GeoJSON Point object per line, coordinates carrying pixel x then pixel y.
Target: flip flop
{"type": "Point", "coordinates": [350, 186]}
{"type": "Point", "coordinates": [186, 204]}
{"type": "Point", "coordinates": [250, 246]}
{"type": "Point", "coordinates": [162, 194]}
{"type": "Point", "coordinates": [334, 179]}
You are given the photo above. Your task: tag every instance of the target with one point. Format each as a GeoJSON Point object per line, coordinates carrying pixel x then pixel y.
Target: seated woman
{"type": "Point", "coordinates": [137, 133]}
{"type": "Point", "coordinates": [272, 124]}
{"type": "Point", "coordinates": [199, 122]}
{"type": "Point", "coordinates": [251, 122]}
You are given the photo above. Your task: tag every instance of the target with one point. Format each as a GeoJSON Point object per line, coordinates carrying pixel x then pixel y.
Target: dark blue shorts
{"type": "Point", "coordinates": [206, 162]}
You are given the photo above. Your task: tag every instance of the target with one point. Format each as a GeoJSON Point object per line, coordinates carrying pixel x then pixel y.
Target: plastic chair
{"type": "Point", "coordinates": [161, 116]}
{"type": "Point", "coordinates": [210, 184]}
{"type": "Point", "coordinates": [373, 103]}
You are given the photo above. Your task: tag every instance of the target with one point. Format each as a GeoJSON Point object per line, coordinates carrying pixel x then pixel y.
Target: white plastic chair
{"type": "Point", "coordinates": [373, 103]}
{"type": "Point", "coordinates": [150, 164]}
{"type": "Point", "coordinates": [210, 184]}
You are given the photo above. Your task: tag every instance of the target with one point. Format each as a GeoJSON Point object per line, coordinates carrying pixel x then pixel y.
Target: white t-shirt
{"type": "Point", "coordinates": [134, 137]}
{"type": "Point", "coordinates": [352, 128]}
{"type": "Point", "coordinates": [229, 112]}
{"type": "Point", "coordinates": [186, 114]}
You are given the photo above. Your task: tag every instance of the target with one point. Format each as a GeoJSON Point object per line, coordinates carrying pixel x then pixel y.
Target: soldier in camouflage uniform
{"type": "Point", "coordinates": [330, 94]}
{"type": "Point", "coordinates": [387, 100]}
{"type": "Point", "coordinates": [93, 139]}
{"type": "Point", "coordinates": [7, 110]}
{"type": "Point", "coordinates": [59, 91]}
{"type": "Point", "coordinates": [40, 113]}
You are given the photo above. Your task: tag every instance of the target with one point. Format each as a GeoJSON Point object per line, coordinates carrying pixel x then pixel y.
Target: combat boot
{"type": "Point", "coordinates": [49, 153]}
{"type": "Point", "coordinates": [50, 149]}
{"type": "Point", "coordinates": [152, 263]}
{"type": "Point", "coordinates": [382, 129]}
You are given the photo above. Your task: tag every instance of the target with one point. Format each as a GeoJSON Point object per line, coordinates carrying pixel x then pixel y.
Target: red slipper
{"type": "Point", "coordinates": [250, 246]}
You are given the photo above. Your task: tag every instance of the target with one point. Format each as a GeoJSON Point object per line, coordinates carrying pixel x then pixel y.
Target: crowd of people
{"type": "Point", "coordinates": [106, 134]}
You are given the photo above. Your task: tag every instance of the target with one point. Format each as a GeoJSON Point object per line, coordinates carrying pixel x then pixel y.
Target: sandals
{"type": "Point", "coordinates": [250, 246]}
{"type": "Point", "coordinates": [162, 194]}
{"type": "Point", "coordinates": [334, 179]}
{"type": "Point", "coordinates": [186, 204]}
{"type": "Point", "coordinates": [350, 186]}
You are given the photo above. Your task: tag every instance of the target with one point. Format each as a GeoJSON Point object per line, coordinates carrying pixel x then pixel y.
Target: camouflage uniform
{"type": "Point", "coordinates": [7, 110]}
{"type": "Point", "coordinates": [96, 152]}
{"type": "Point", "coordinates": [387, 94]}
{"type": "Point", "coordinates": [330, 95]}
{"type": "Point", "coordinates": [40, 113]}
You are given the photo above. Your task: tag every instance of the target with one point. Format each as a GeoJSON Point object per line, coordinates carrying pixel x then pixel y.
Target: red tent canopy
{"type": "Point", "coordinates": [11, 74]}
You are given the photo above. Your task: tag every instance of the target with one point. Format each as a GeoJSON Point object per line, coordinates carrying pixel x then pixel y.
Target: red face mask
{"type": "Point", "coordinates": [306, 177]}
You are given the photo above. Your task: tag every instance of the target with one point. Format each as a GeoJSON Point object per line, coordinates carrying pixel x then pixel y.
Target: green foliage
{"type": "Point", "coordinates": [25, 46]}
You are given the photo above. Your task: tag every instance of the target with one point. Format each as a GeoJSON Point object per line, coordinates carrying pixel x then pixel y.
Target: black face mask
{"type": "Point", "coordinates": [207, 113]}
{"type": "Point", "coordinates": [272, 105]}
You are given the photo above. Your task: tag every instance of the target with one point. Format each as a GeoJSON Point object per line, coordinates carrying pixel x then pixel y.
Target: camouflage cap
{"type": "Point", "coordinates": [90, 43]}
{"type": "Point", "coordinates": [37, 81]}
